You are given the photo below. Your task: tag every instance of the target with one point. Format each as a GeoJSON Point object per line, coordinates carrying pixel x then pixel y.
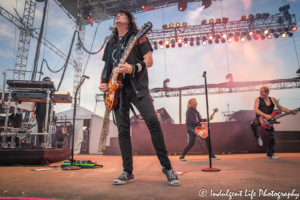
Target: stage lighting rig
{"type": "Point", "coordinates": [182, 5]}
{"type": "Point", "coordinates": [206, 3]}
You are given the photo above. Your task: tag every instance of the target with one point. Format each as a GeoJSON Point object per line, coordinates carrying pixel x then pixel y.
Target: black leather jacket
{"type": "Point", "coordinates": [193, 119]}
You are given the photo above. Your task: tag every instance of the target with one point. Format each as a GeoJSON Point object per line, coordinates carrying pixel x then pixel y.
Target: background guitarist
{"type": "Point", "coordinates": [135, 91]}
{"type": "Point", "coordinates": [264, 106]}
{"type": "Point", "coordinates": [193, 119]}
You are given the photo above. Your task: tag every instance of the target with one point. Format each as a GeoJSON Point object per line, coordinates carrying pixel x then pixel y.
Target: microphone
{"type": "Point", "coordinates": [204, 74]}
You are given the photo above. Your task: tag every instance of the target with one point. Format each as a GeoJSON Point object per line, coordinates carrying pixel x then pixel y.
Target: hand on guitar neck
{"type": "Point", "coordinates": [202, 131]}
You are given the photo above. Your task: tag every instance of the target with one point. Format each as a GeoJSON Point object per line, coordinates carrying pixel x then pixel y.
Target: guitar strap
{"type": "Point", "coordinates": [272, 99]}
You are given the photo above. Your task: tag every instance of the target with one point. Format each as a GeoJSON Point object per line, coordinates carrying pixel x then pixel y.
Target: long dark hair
{"type": "Point", "coordinates": [132, 25]}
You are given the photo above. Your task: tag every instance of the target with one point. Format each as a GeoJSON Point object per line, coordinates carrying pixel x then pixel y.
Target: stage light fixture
{"type": "Point", "coordinates": [218, 36]}
{"type": "Point", "coordinates": [230, 35]}
{"type": "Point", "coordinates": [167, 42]}
{"type": "Point", "coordinates": [279, 30]}
{"type": "Point", "coordinates": [171, 25]}
{"type": "Point", "coordinates": [250, 33]}
{"type": "Point", "coordinates": [179, 40]}
{"type": "Point", "coordinates": [210, 37]}
{"type": "Point", "coordinates": [224, 20]}
{"type": "Point", "coordinates": [223, 40]}
{"type": "Point", "coordinates": [210, 41]}
{"type": "Point", "coordinates": [204, 38]}
{"type": "Point", "coordinates": [294, 28]}
{"type": "Point", "coordinates": [244, 34]}
{"type": "Point", "coordinates": [224, 35]}
{"type": "Point", "coordinates": [271, 30]}
{"type": "Point", "coordinates": [284, 8]}
{"type": "Point", "coordinates": [251, 16]}
{"type": "Point", "coordinates": [217, 41]}
{"type": "Point", "coordinates": [173, 41]}
{"type": "Point", "coordinates": [211, 21]}
{"type": "Point", "coordinates": [265, 15]}
{"type": "Point", "coordinates": [197, 38]}
{"type": "Point", "coordinates": [290, 34]}
{"type": "Point", "coordinates": [179, 44]}
{"type": "Point", "coordinates": [243, 39]}
{"type": "Point", "coordinates": [269, 36]}
{"type": "Point", "coordinates": [262, 37]}
{"type": "Point", "coordinates": [206, 3]}
{"type": "Point", "coordinates": [286, 29]}
{"type": "Point", "coordinates": [177, 24]}
{"type": "Point", "coordinates": [256, 37]}
{"type": "Point", "coordinates": [154, 43]}
{"type": "Point", "coordinates": [229, 40]}
{"type": "Point", "coordinates": [185, 40]}
{"type": "Point", "coordinates": [237, 34]}
{"type": "Point", "coordinates": [203, 22]}
{"type": "Point", "coordinates": [266, 31]}
{"type": "Point", "coordinates": [204, 42]}
{"type": "Point", "coordinates": [218, 20]}
{"type": "Point", "coordinates": [182, 5]}
{"type": "Point", "coordinates": [276, 35]}
{"type": "Point", "coordinates": [236, 39]}
{"type": "Point", "coordinates": [161, 46]}
{"type": "Point", "coordinates": [185, 44]}
{"type": "Point", "coordinates": [143, 7]}
{"type": "Point", "coordinates": [198, 43]}
{"type": "Point", "coordinates": [249, 38]}
{"type": "Point", "coordinates": [258, 16]}
{"type": "Point", "coordinates": [86, 14]}
{"type": "Point", "coordinates": [161, 42]}
{"type": "Point", "coordinates": [243, 18]}
{"type": "Point", "coordinates": [167, 46]}
{"type": "Point", "coordinates": [283, 35]}
{"type": "Point", "coordinates": [173, 45]}
{"type": "Point", "coordinates": [155, 47]}
{"type": "Point", "coordinates": [184, 24]}
{"type": "Point", "coordinates": [192, 39]}
{"type": "Point", "coordinates": [257, 32]}
{"type": "Point", "coordinates": [191, 43]}
{"type": "Point", "coordinates": [164, 26]}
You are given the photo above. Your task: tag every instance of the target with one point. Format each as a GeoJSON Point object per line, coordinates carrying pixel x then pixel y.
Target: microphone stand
{"type": "Point", "coordinates": [209, 169]}
{"type": "Point", "coordinates": [73, 167]}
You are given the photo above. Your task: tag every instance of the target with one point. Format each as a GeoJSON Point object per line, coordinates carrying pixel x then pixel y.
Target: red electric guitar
{"type": "Point", "coordinates": [268, 123]}
{"type": "Point", "coordinates": [202, 131]}
{"type": "Point", "coordinates": [115, 82]}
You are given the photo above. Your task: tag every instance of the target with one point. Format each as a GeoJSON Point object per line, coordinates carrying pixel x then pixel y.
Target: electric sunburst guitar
{"type": "Point", "coordinates": [115, 82]}
{"type": "Point", "coordinates": [202, 131]}
{"type": "Point", "coordinates": [266, 124]}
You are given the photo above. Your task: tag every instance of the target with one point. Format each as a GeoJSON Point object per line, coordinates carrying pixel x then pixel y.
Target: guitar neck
{"type": "Point", "coordinates": [282, 115]}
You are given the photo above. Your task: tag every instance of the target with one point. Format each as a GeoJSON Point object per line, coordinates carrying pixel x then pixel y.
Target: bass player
{"type": "Point", "coordinates": [264, 106]}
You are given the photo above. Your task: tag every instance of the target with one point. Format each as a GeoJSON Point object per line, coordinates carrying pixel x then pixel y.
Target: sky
{"type": "Point", "coordinates": [247, 61]}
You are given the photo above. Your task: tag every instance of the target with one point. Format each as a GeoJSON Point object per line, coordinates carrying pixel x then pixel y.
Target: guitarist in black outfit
{"type": "Point", "coordinates": [193, 119]}
{"type": "Point", "coordinates": [135, 90]}
{"type": "Point", "coordinates": [264, 106]}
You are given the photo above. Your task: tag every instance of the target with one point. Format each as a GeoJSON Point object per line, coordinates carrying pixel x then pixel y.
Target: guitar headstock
{"type": "Point", "coordinates": [215, 110]}
{"type": "Point", "coordinates": [144, 29]}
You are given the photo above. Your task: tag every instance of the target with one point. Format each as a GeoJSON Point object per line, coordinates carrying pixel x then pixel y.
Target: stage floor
{"type": "Point", "coordinates": [243, 173]}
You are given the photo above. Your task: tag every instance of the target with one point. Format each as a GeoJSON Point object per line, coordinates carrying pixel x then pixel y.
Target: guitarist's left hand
{"type": "Point", "coordinates": [211, 117]}
{"type": "Point", "coordinates": [294, 112]}
{"type": "Point", "coordinates": [123, 68]}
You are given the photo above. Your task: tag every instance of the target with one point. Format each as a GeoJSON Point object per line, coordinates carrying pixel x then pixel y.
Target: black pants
{"type": "Point", "coordinates": [271, 133]}
{"type": "Point", "coordinates": [40, 120]}
{"type": "Point", "coordinates": [146, 109]}
{"type": "Point", "coordinates": [192, 137]}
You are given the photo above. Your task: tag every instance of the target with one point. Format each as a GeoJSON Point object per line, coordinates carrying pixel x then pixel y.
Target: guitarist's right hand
{"type": "Point", "coordinates": [268, 117]}
{"type": "Point", "coordinates": [104, 88]}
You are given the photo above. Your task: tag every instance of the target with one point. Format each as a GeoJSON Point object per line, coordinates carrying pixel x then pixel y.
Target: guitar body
{"type": "Point", "coordinates": [266, 124]}
{"type": "Point", "coordinates": [203, 133]}
{"type": "Point", "coordinates": [115, 85]}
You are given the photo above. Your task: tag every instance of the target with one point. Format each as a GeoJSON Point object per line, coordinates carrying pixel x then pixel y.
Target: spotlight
{"type": "Point", "coordinates": [206, 3]}
{"type": "Point", "coordinates": [217, 41]}
{"type": "Point", "coordinates": [210, 37]}
{"type": "Point", "coordinates": [224, 20]}
{"type": "Point", "coordinates": [286, 29]}
{"type": "Point", "coordinates": [155, 47]}
{"type": "Point", "coordinates": [258, 32]}
{"type": "Point", "coordinates": [269, 36]}
{"type": "Point", "coordinates": [165, 26]}
{"type": "Point", "coordinates": [182, 5]}
{"type": "Point", "coordinates": [173, 45]}
{"type": "Point", "coordinates": [256, 37]}
{"type": "Point", "coordinates": [266, 31]}
{"type": "Point", "coordinates": [218, 20]}
{"type": "Point", "coordinates": [184, 24]}
{"type": "Point", "coordinates": [167, 46]}
{"type": "Point", "coordinates": [250, 16]}
{"type": "Point", "coordinates": [237, 34]}
{"type": "Point", "coordinates": [243, 18]}
{"type": "Point", "coordinates": [262, 37]}
{"type": "Point", "coordinates": [223, 40]}
{"type": "Point", "coordinates": [192, 39]}
{"type": "Point", "coordinates": [210, 42]}
{"type": "Point", "coordinates": [179, 40]}
{"type": "Point", "coordinates": [290, 34]}
{"type": "Point", "coordinates": [224, 35]}
{"type": "Point", "coordinates": [229, 40]}
{"type": "Point", "coordinates": [279, 30]}
{"type": "Point", "coordinates": [143, 7]}
{"type": "Point", "coordinates": [203, 22]}
{"type": "Point", "coordinates": [197, 38]}
{"type": "Point", "coordinates": [276, 35]}
{"type": "Point", "coordinates": [161, 42]}
{"type": "Point", "coordinates": [283, 35]}
{"type": "Point", "coordinates": [204, 38]}
{"type": "Point", "coordinates": [197, 42]}
{"type": "Point", "coordinates": [211, 21]}
{"type": "Point", "coordinates": [171, 25]}
{"type": "Point", "coordinates": [249, 38]}
{"type": "Point", "coordinates": [284, 8]}
{"type": "Point", "coordinates": [218, 36]}
{"type": "Point", "coordinates": [204, 43]}
{"type": "Point", "coordinates": [236, 39]}
{"type": "Point", "coordinates": [294, 28]}
{"type": "Point", "coordinates": [161, 46]}
{"type": "Point", "coordinates": [250, 33]}
{"type": "Point", "coordinates": [191, 43]}
{"type": "Point", "coordinates": [243, 39]}
{"type": "Point", "coordinates": [179, 44]}
{"type": "Point", "coordinates": [271, 30]}
{"type": "Point", "coordinates": [230, 35]}
{"type": "Point", "coordinates": [185, 40]}
{"type": "Point", "coordinates": [258, 15]}
{"type": "Point", "coordinates": [173, 41]}
{"type": "Point", "coordinates": [265, 15]}
{"type": "Point", "coordinates": [154, 43]}
{"type": "Point", "coordinates": [167, 42]}
{"type": "Point", "coordinates": [244, 34]}
{"type": "Point", "coordinates": [86, 15]}
{"type": "Point", "coordinates": [177, 24]}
